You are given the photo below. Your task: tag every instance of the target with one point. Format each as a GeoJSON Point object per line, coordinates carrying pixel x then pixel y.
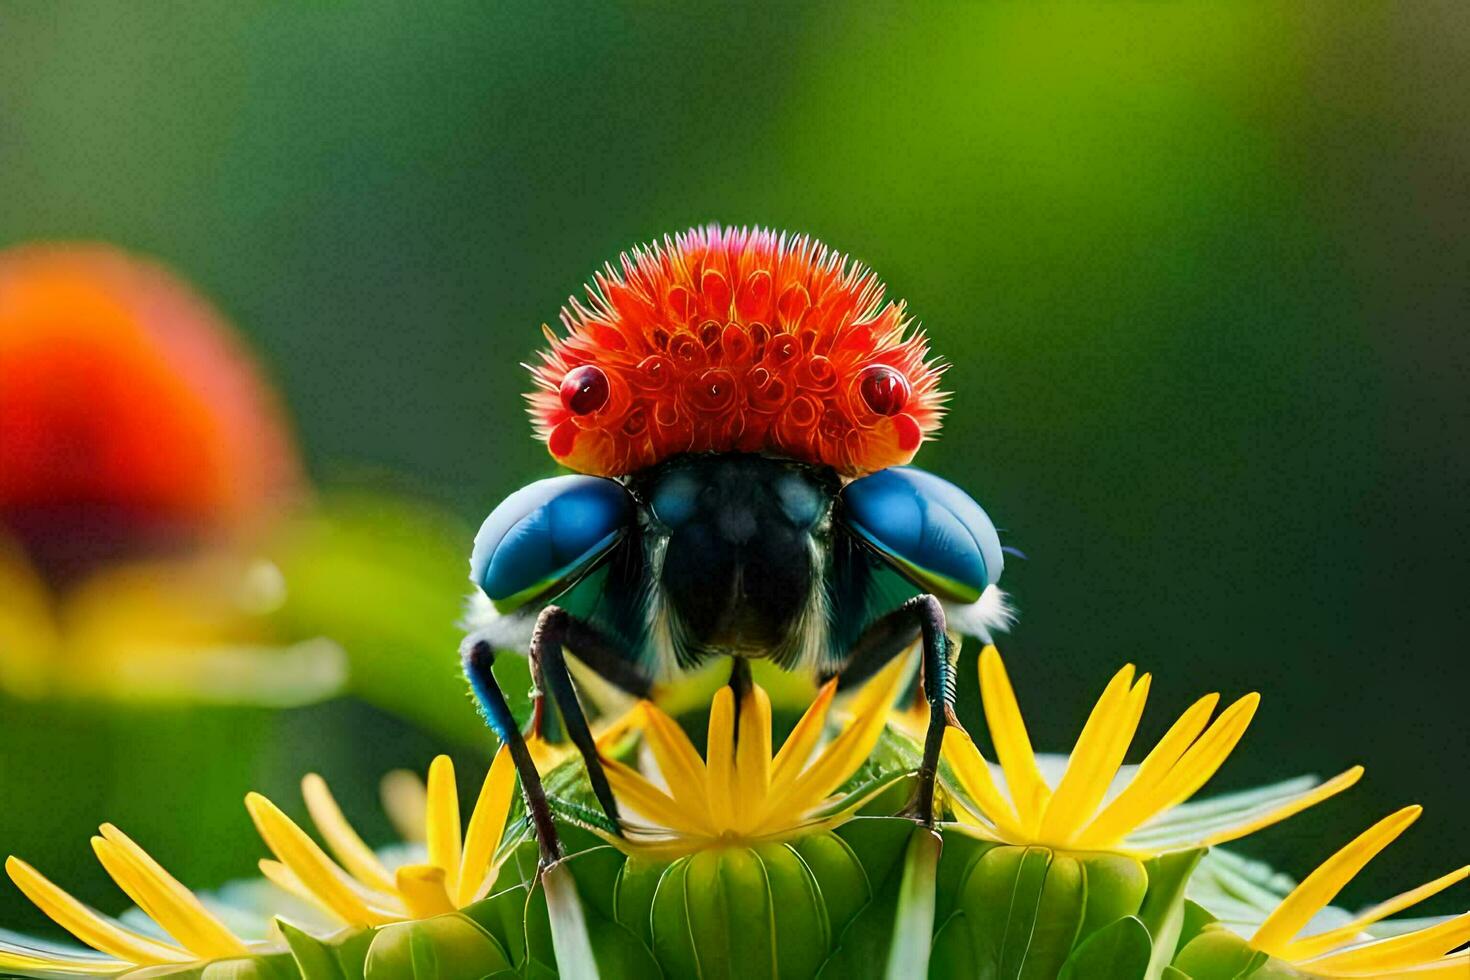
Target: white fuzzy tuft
{"type": "Point", "coordinates": [508, 632]}
{"type": "Point", "coordinates": [991, 612]}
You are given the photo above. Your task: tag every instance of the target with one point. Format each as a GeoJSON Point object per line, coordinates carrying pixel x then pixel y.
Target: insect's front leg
{"type": "Point", "coordinates": [556, 630]}
{"type": "Point", "coordinates": [477, 658]}
{"type": "Point", "coordinates": [921, 617]}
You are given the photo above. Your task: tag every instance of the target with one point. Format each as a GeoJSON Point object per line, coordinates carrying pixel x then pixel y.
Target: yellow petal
{"type": "Point", "coordinates": [720, 758]}
{"type": "Point", "coordinates": [1293, 806]}
{"type": "Point", "coordinates": [839, 760]}
{"type": "Point", "coordinates": [1209, 752]}
{"type": "Point", "coordinates": [1325, 941]}
{"type": "Point", "coordinates": [487, 824]}
{"type": "Point", "coordinates": [1126, 811]}
{"type": "Point", "coordinates": [646, 799]}
{"type": "Point", "coordinates": [356, 857]}
{"type": "Point", "coordinates": [442, 820]}
{"type": "Point", "coordinates": [1029, 792]}
{"type": "Point", "coordinates": [18, 956]}
{"type": "Point", "coordinates": [1319, 887]}
{"type": "Point", "coordinates": [797, 748]}
{"type": "Point", "coordinates": [876, 697]}
{"type": "Point", "coordinates": [1204, 757]}
{"type": "Point", "coordinates": [973, 773]}
{"type": "Point", "coordinates": [100, 933]}
{"type": "Point", "coordinates": [752, 758]}
{"type": "Point", "coordinates": [1399, 952]}
{"type": "Point", "coordinates": [317, 872]}
{"type": "Point", "coordinates": [423, 889]}
{"type": "Point", "coordinates": [678, 760]}
{"type": "Point", "coordinates": [610, 734]}
{"type": "Point", "coordinates": [285, 879]}
{"type": "Point", "coordinates": [405, 800]}
{"type": "Point", "coordinates": [1096, 757]}
{"type": "Point", "coordinates": [166, 901]}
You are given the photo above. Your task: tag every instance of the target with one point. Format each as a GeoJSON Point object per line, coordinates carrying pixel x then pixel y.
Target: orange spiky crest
{"type": "Point", "coordinates": [735, 340]}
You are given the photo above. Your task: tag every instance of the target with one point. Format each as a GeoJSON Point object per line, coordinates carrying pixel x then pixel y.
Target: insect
{"type": "Point", "coordinates": [739, 407]}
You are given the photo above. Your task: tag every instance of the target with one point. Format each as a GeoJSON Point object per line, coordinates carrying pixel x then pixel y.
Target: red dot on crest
{"type": "Point", "coordinates": [909, 433]}
{"type": "Point", "coordinates": [884, 389]}
{"type": "Point", "coordinates": [562, 439]}
{"type": "Point", "coordinates": [584, 390]}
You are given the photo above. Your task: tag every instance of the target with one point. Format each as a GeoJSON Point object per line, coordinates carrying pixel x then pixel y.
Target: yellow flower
{"type": "Point", "coordinates": [741, 794]}
{"type": "Point", "coordinates": [1097, 804]}
{"type": "Point", "coordinates": [1347, 951]}
{"type": "Point", "coordinates": [446, 871]}
{"type": "Point", "coordinates": [361, 890]}
{"type": "Point", "coordinates": [198, 934]}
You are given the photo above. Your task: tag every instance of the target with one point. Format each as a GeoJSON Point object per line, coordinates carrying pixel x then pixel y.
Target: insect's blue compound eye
{"type": "Point", "coordinates": [928, 527]}
{"type": "Point", "coordinates": [801, 500]}
{"type": "Point", "coordinates": [547, 533]}
{"type": "Point", "coordinates": [675, 498]}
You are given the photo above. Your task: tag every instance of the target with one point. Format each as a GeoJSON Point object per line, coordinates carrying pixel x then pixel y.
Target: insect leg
{"type": "Point", "coordinates": [592, 648]}
{"type": "Point", "coordinates": [920, 617]}
{"type": "Point", "coordinates": [555, 630]}
{"type": "Point", "coordinates": [478, 658]}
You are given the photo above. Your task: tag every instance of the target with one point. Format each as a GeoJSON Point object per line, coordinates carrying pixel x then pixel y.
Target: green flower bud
{"type": "Point", "coordinates": [757, 911]}
{"type": "Point", "coordinates": [1219, 954]}
{"type": "Point", "coordinates": [445, 947]}
{"type": "Point", "coordinates": [1026, 908]}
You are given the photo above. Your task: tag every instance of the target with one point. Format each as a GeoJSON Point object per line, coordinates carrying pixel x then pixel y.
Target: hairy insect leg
{"type": "Point", "coordinates": [921, 617]}
{"type": "Point", "coordinates": [478, 658]}
{"type": "Point", "coordinates": [555, 630]}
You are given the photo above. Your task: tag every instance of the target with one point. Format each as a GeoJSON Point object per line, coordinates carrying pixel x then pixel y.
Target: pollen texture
{"type": "Point", "coordinates": [735, 340]}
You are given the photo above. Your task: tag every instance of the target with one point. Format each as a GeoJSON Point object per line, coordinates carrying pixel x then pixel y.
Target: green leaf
{"type": "Point", "coordinates": [954, 953]}
{"type": "Point", "coordinates": [730, 915]}
{"type": "Point", "coordinates": [339, 957]}
{"type": "Point", "coordinates": [609, 948]}
{"type": "Point", "coordinates": [879, 843]}
{"type": "Point", "coordinates": [838, 874]}
{"type": "Point", "coordinates": [961, 851]}
{"type": "Point", "coordinates": [672, 942]}
{"type": "Point", "coordinates": [803, 934]}
{"type": "Point", "coordinates": [1218, 954]}
{"type": "Point", "coordinates": [276, 966]}
{"type": "Point", "coordinates": [1196, 918]}
{"type": "Point", "coordinates": [596, 870]}
{"type": "Point", "coordinates": [633, 895]}
{"type": "Point", "coordinates": [444, 947]}
{"type": "Point", "coordinates": [1116, 886]}
{"type": "Point", "coordinates": [1002, 899]}
{"type": "Point", "coordinates": [503, 915]}
{"type": "Point", "coordinates": [1162, 912]}
{"type": "Point", "coordinates": [1119, 951]}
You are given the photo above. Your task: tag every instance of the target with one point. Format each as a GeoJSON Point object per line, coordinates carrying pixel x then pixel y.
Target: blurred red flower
{"type": "Point", "coordinates": [132, 419]}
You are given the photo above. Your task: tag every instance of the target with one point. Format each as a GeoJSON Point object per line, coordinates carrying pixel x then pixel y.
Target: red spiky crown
{"type": "Point", "coordinates": [735, 340]}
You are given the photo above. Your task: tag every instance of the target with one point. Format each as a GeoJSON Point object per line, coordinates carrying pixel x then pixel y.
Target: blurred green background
{"type": "Point", "coordinates": [1201, 272]}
